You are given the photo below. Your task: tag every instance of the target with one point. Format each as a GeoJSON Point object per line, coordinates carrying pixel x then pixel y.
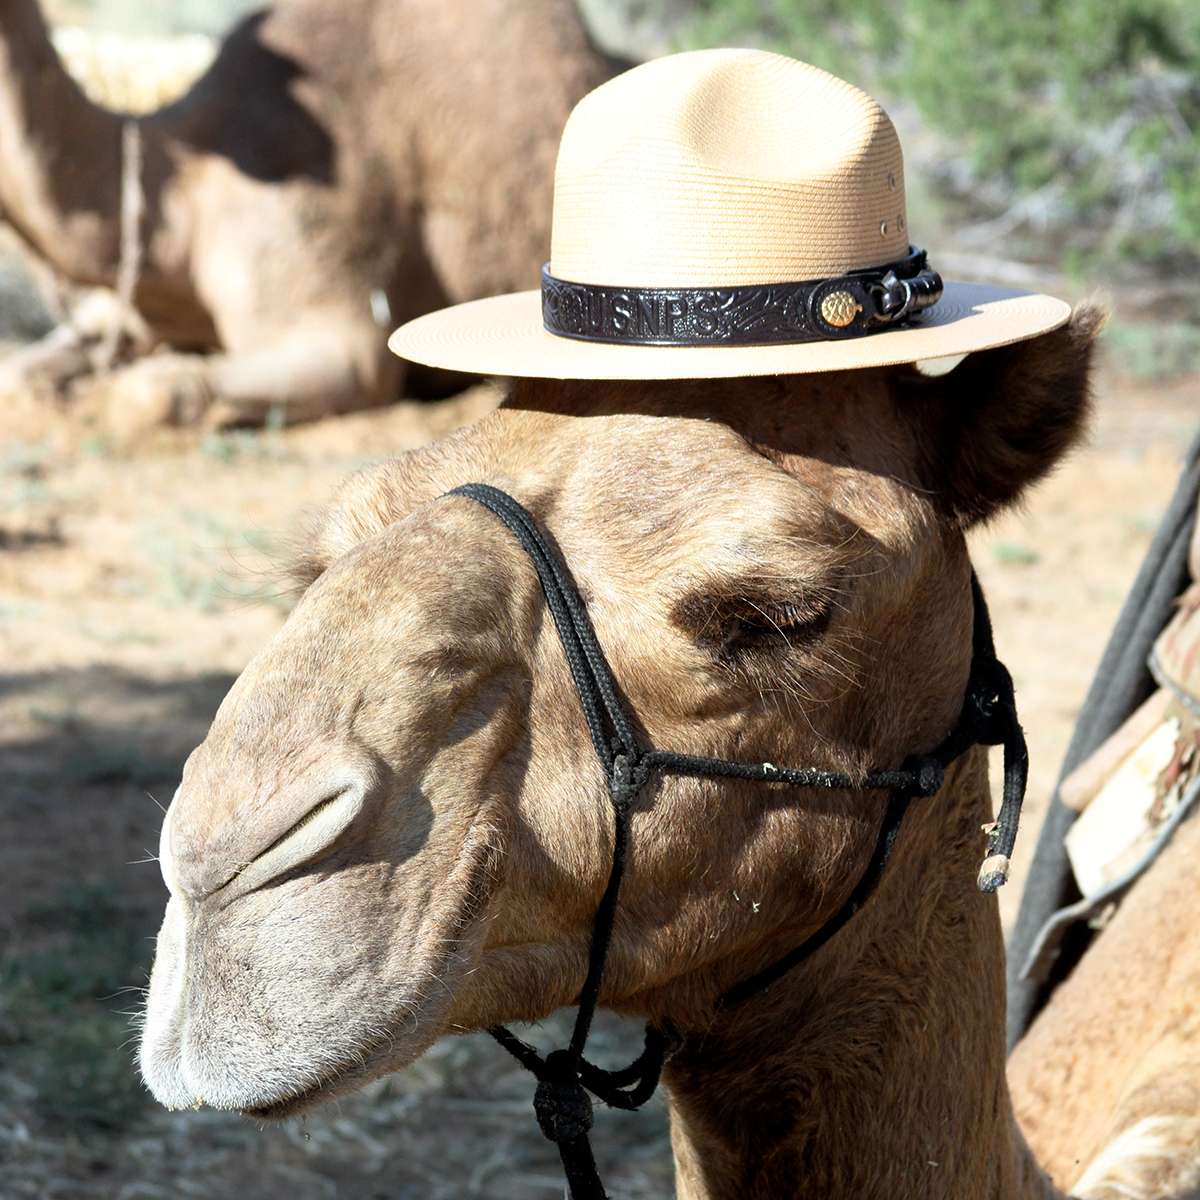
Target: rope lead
{"type": "Point", "coordinates": [565, 1078]}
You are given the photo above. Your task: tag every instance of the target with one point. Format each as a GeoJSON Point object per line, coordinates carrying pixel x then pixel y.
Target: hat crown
{"type": "Point", "coordinates": [723, 168]}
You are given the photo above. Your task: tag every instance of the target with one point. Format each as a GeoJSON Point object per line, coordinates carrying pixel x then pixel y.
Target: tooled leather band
{"type": "Point", "coordinates": [845, 306]}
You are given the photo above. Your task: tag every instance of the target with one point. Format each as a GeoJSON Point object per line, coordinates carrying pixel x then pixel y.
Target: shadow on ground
{"type": "Point", "coordinates": [88, 756]}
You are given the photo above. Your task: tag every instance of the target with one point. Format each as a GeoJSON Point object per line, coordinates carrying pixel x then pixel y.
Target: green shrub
{"type": "Point", "coordinates": [62, 1031]}
{"type": "Point", "coordinates": [1090, 106]}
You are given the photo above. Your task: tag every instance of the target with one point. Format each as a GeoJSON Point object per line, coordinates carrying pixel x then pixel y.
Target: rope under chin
{"type": "Point", "coordinates": [567, 1081]}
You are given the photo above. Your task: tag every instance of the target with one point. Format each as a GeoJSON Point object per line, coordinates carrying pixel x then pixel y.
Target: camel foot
{"type": "Point", "coordinates": [161, 391]}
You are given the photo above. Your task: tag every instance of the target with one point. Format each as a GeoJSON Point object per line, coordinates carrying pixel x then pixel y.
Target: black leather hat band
{"type": "Point", "coordinates": [818, 310]}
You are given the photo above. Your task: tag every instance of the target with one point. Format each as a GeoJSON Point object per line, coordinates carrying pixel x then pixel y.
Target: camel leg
{"type": "Point", "coordinates": [300, 378]}
{"type": "Point", "coordinates": [1153, 1151]}
{"type": "Point", "coordinates": [50, 362]}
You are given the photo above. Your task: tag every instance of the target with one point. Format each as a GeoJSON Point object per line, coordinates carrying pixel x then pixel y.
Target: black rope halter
{"type": "Point", "coordinates": [566, 1080]}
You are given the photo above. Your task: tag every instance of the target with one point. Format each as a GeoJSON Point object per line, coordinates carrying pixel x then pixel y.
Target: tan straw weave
{"type": "Point", "coordinates": [715, 169]}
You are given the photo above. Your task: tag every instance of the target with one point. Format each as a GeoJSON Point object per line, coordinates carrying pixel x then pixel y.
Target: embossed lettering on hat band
{"type": "Point", "coordinates": [850, 305]}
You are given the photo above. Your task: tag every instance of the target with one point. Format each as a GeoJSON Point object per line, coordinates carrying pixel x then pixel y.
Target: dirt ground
{"type": "Point", "coordinates": [133, 587]}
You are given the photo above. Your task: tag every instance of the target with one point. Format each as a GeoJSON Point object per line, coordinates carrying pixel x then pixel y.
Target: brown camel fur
{"type": "Point", "coordinates": [339, 169]}
{"type": "Point", "coordinates": [1108, 1077]}
{"type": "Point", "coordinates": [396, 827]}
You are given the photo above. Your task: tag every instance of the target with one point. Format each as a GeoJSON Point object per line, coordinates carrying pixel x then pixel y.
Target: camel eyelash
{"type": "Point", "coordinates": [735, 626]}
{"type": "Point", "coordinates": [754, 623]}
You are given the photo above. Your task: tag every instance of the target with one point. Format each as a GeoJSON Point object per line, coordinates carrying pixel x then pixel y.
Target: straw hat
{"type": "Point", "coordinates": [723, 213]}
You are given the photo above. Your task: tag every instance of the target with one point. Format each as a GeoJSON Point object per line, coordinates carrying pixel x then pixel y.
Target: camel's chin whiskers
{"type": "Point", "coordinates": [270, 1091]}
{"type": "Point", "coordinates": [338, 1084]}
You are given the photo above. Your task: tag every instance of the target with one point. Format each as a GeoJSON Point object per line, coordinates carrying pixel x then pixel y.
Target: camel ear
{"type": "Point", "coordinates": [1003, 418]}
{"type": "Point", "coordinates": [363, 506]}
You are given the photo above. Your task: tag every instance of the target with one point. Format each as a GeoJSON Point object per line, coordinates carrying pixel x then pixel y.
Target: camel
{"type": "Point", "coordinates": [1109, 1074]}
{"type": "Point", "coordinates": [396, 828]}
{"type": "Point", "coordinates": [339, 169]}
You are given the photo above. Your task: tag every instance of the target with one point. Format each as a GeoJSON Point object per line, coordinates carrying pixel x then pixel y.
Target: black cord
{"type": "Point", "coordinates": [565, 1078]}
{"type": "Point", "coordinates": [886, 840]}
{"type": "Point", "coordinates": [594, 681]}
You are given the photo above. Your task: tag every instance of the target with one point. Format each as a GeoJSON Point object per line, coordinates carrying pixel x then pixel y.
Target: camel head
{"type": "Point", "coordinates": [397, 827]}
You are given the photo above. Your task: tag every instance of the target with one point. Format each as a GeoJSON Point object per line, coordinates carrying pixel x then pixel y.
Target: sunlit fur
{"type": "Point", "coordinates": [1156, 1157]}
{"type": "Point", "coordinates": [340, 168]}
{"type": "Point", "coordinates": [420, 681]}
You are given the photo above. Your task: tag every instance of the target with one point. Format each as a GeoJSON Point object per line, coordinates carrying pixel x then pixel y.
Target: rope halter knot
{"type": "Point", "coordinates": [929, 774]}
{"type": "Point", "coordinates": [562, 1105]}
{"type": "Point", "coordinates": [629, 775]}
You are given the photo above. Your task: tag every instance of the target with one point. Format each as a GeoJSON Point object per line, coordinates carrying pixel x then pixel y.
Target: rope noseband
{"type": "Point", "coordinates": [566, 1080]}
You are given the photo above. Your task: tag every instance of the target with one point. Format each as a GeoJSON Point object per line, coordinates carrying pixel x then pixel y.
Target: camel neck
{"type": "Point", "coordinates": [876, 1070]}
{"type": "Point", "coordinates": [59, 153]}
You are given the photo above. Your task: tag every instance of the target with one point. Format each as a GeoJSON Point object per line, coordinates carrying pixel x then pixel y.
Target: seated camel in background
{"type": "Point", "coordinates": [398, 803]}
{"type": "Point", "coordinates": [338, 169]}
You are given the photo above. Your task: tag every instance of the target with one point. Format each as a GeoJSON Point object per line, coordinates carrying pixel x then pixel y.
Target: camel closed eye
{"type": "Point", "coordinates": [732, 626]}
{"type": "Point", "coordinates": [755, 621]}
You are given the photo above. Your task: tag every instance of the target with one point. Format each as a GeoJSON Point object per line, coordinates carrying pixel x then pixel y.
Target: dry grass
{"type": "Point", "coordinates": [134, 586]}
{"type": "Point", "coordinates": [459, 1123]}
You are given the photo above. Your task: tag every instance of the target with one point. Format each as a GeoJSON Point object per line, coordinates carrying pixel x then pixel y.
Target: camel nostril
{"type": "Point", "coordinates": [313, 816]}
{"type": "Point", "coordinates": [322, 825]}
{"type": "Point", "coordinates": [314, 833]}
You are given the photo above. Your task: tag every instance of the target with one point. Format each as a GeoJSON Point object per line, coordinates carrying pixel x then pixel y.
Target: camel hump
{"type": "Point", "coordinates": [291, 83]}
{"type": "Point", "coordinates": [246, 107]}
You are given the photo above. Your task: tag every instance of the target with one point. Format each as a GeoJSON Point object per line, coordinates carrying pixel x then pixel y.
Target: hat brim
{"type": "Point", "coordinates": [503, 335]}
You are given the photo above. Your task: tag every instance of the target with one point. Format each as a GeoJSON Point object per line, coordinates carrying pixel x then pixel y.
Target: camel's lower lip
{"type": "Point", "coordinates": [336, 1082]}
{"type": "Point", "coordinates": [289, 1107]}
{"type": "Point", "coordinates": [298, 1102]}
{"type": "Point", "coordinates": [283, 1108]}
